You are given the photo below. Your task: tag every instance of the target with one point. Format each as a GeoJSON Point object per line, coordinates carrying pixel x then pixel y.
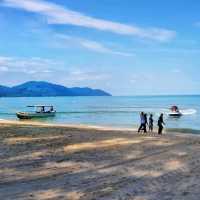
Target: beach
{"type": "Point", "coordinates": [47, 161]}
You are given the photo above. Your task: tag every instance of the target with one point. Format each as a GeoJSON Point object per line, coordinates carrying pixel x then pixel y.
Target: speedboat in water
{"type": "Point", "coordinates": [174, 112]}
{"type": "Point", "coordinates": [41, 111]}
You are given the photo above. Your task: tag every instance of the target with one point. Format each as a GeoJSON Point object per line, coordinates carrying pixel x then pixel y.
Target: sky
{"type": "Point", "coordinates": [129, 47]}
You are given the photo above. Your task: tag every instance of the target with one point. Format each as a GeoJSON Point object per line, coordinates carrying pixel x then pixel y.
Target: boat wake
{"type": "Point", "coordinates": [188, 111]}
{"type": "Point", "coordinates": [182, 111]}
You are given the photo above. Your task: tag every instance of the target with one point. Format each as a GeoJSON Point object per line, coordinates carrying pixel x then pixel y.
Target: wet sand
{"type": "Point", "coordinates": [47, 162]}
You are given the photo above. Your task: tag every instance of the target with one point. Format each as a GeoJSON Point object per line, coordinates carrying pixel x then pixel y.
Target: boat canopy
{"type": "Point", "coordinates": [33, 106]}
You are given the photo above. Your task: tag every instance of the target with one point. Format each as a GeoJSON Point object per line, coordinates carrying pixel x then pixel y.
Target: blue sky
{"type": "Point", "coordinates": [129, 47]}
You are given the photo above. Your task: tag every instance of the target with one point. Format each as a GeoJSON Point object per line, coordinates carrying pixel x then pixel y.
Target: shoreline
{"type": "Point", "coordinates": [57, 125]}
{"type": "Point", "coordinates": [185, 131]}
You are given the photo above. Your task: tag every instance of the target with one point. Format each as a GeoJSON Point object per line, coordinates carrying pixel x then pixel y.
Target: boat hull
{"type": "Point", "coordinates": [175, 114]}
{"type": "Point", "coordinates": [24, 115]}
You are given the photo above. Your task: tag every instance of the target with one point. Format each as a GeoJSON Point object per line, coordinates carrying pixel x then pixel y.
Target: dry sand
{"type": "Point", "coordinates": [43, 162]}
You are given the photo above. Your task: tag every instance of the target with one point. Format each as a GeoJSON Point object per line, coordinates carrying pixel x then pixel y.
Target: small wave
{"type": "Point", "coordinates": [97, 112]}
{"type": "Point", "coordinates": [6, 113]}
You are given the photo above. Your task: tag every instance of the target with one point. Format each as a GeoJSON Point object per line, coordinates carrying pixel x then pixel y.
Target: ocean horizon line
{"type": "Point", "coordinates": [142, 95]}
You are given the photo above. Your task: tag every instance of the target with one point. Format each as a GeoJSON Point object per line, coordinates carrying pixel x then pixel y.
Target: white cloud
{"type": "Point", "coordinates": [27, 65]}
{"type": "Point", "coordinates": [39, 68]}
{"type": "Point", "coordinates": [197, 24]}
{"type": "Point", "coordinates": [77, 75]}
{"type": "Point", "coordinates": [137, 78]}
{"type": "Point", "coordinates": [89, 44]}
{"type": "Point", "coordinates": [98, 47]}
{"type": "Point", "coordinates": [56, 14]}
{"type": "Point", "coordinates": [3, 69]}
{"type": "Point", "coordinates": [176, 71]}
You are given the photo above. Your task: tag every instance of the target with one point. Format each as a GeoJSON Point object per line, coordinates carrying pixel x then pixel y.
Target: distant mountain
{"type": "Point", "coordinates": [5, 91]}
{"type": "Point", "coordinates": [41, 88]}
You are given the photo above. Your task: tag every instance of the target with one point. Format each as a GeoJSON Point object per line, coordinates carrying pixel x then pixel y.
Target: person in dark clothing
{"type": "Point", "coordinates": [160, 124]}
{"type": "Point", "coordinates": [142, 122]}
{"type": "Point", "coordinates": [151, 123]}
{"type": "Point", "coordinates": [146, 123]}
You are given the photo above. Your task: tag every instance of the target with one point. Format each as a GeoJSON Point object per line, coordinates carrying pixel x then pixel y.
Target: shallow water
{"type": "Point", "coordinates": [109, 111]}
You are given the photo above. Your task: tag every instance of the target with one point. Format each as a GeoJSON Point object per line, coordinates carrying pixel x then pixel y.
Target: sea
{"type": "Point", "coordinates": [114, 111]}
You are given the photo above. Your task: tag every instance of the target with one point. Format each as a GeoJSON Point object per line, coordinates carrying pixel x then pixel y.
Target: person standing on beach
{"type": "Point", "coordinates": [151, 123]}
{"type": "Point", "coordinates": [142, 122]}
{"type": "Point", "coordinates": [160, 124]}
{"type": "Point", "coordinates": [146, 122]}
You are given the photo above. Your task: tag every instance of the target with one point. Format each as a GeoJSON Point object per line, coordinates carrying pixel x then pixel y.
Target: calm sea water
{"type": "Point", "coordinates": [109, 111]}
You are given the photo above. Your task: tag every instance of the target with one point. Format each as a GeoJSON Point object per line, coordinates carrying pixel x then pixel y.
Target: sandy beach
{"type": "Point", "coordinates": [47, 162]}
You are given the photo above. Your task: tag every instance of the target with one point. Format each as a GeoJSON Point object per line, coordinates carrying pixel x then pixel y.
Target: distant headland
{"type": "Point", "coordinates": [46, 89]}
